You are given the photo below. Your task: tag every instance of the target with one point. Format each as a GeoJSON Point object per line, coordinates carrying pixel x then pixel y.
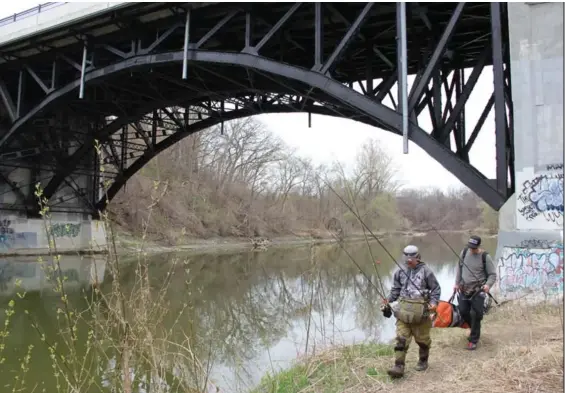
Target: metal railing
{"type": "Point", "coordinates": [30, 12]}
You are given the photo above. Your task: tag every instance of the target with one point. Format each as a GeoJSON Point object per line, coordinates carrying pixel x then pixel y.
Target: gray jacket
{"type": "Point", "coordinates": [422, 281]}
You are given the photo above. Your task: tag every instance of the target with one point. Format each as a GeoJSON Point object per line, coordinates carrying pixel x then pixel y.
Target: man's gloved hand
{"type": "Point", "coordinates": [385, 309]}
{"type": "Point", "coordinates": [432, 307]}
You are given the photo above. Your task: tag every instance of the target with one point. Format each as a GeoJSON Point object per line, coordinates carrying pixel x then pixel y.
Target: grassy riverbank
{"type": "Point", "coordinates": [521, 351]}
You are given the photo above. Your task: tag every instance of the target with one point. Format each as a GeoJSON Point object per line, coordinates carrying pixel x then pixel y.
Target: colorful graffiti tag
{"type": "Point", "coordinates": [62, 230]}
{"type": "Point", "coordinates": [6, 233]}
{"type": "Point", "coordinates": [10, 238]}
{"type": "Point", "coordinates": [531, 269]}
{"type": "Point", "coordinates": [543, 195]}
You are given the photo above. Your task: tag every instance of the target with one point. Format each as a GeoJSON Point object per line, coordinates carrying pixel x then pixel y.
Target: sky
{"type": "Point", "coordinates": [332, 138]}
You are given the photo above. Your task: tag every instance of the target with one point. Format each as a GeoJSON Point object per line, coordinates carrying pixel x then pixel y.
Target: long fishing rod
{"type": "Point", "coordinates": [461, 261]}
{"type": "Point", "coordinates": [364, 234]}
{"type": "Point", "coordinates": [380, 292]}
{"type": "Point", "coordinates": [372, 234]}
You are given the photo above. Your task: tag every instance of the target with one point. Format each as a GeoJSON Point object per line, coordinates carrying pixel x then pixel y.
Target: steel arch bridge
{"type": "Point", "coordinates": [139, 79]}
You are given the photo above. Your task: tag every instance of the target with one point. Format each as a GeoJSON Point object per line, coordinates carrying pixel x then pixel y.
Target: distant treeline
{"type": "Point", "coordinates": [248, 182]}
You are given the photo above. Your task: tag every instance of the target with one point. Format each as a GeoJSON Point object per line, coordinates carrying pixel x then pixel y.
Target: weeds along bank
{"type": "Point", "coordinates": [118, 337]}
{"type": "Point", "coordinates": [128, 332]}
{"type": "Point", "coordinates": [130, 329]}
{"type": "Point", "coordinates": [115, 335]}
{"type": "Point", "coordinates": [521, 350]}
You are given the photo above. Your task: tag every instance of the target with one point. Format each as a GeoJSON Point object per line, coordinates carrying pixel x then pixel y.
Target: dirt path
{"type": "Point", "coordinates": [521, 350]}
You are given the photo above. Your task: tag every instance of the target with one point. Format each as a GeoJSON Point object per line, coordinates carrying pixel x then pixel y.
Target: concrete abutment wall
{"type": "Point", "coordinates": [70, 232]}
{"type": "Point", "coordinates": [530, 243]}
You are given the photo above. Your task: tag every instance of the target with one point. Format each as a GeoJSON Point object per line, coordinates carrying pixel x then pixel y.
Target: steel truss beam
{"type": "Point", "coordinates": [338, 71]}
{"type": "Point", "coordinates": [180, 132]}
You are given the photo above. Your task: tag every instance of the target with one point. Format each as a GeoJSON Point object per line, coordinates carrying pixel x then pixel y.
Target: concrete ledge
{"type": "Point", "coordinates": [22, 236]}
{"type": "Point", "coordinates": [54, 17]}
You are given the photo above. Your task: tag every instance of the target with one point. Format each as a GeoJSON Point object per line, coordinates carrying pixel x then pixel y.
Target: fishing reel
{"type": "Point", "coordinates": [386, 310]}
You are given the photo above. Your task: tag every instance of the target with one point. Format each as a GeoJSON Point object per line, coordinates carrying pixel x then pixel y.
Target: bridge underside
{"type": "Point", "coordinates": [117, 90]}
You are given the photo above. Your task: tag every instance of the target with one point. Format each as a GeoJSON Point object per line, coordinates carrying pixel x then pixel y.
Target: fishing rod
{"type": "Point", "coordinates": [364, 232]}
{"type": "Point", "coordinates": [372, 234]}
{"type": "Point", "coordinates": [386, 310]}
{"type": "Point", "coordinates": [461, 261]}
{"type": "Point", "coordinates": [380, 292]}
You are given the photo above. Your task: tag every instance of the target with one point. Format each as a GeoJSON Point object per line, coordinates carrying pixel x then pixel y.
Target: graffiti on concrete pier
{"type": "Point", "coordinates": [536, 243]}
{"type": "Point", "coordinates": [6, 233]}
{"type": "Point", "coordinates": [62, 230]}
{"type": "Point", "coordinates": [542, 195]}
{"type": "Point", "coordinates": [10, 238]}
{"type": "Point", "coordinates": [554, 167]}
{"type": "Point", "coordinates": [531, 269]}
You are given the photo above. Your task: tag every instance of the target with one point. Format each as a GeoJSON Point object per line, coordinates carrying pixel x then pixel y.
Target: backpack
{"type": "Point", "coordinates": [483, 256]}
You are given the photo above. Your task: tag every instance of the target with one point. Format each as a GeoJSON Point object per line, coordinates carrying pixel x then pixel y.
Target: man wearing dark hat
{"type": "Point", "coordinates": [475, 277]}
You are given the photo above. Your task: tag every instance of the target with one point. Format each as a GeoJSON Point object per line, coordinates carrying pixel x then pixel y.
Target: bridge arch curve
{"type": "Point", "coordinates": [142, 160]}
{"type": "Point", "coordinates": [372, 112]}
{"type": "Point", "coordinates": [111, 128]}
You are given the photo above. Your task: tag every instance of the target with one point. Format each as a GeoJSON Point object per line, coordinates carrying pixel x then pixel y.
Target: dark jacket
{"type": "Point", "coordinates": [422, 281]}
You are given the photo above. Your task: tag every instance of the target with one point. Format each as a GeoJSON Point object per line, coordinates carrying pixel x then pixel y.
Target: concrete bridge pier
{"type": "Point", "coordinates": [71, 229]}
{"type": "Point", "coordinates": [530, 243]}
{"type": "Point", "coordinates": [71, 232]}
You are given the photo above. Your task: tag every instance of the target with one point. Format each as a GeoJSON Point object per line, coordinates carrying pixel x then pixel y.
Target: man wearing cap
{"type": "Point", "coordinates": [475, 277]}
{"type": "Point", "coordinates": [417, 291]}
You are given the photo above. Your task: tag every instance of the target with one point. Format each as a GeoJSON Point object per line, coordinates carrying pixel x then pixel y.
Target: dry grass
{"type": "Point", "coordinates": [521, 350]}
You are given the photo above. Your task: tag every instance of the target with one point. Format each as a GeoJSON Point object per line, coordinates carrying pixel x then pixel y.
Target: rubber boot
{"type": "Point", "coordinates": [397, 371]}
{"type": "Point", "coordinates": [423, 359]}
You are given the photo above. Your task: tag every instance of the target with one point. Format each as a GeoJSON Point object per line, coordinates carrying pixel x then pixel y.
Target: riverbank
{"type": "Point", "coordinates": [521, 351]}
{"type": "Point", "coordinates": [130, 244]}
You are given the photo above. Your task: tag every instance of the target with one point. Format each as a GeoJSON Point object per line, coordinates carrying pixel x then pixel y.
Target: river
{"type": "Point", "coordinates": [240, 314]}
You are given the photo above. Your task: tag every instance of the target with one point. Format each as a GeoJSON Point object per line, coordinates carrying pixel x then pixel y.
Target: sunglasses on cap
{"type": "Point", "coordinates": [410, 254]}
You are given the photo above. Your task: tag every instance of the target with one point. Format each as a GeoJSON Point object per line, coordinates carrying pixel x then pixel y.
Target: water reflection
{"type": "Point", "coordinates": [32, 274]}
{"type": "Point", "coordinates": [243, 314]}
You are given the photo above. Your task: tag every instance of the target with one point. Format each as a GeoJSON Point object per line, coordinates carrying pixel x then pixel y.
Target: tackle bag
{"type": "Point", "coordinates": [447, 315]}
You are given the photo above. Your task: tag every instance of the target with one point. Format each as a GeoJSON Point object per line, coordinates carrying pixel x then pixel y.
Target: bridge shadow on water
{"type": "Point", "coordinates": [245, 314]}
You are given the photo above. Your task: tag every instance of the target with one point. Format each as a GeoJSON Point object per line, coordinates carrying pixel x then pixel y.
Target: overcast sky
{"type": "Point", "coordinates": [331, 138]}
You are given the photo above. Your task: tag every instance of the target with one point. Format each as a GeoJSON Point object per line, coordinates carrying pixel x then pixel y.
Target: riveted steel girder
{"type": "Point", "coordinates": [60, 93]}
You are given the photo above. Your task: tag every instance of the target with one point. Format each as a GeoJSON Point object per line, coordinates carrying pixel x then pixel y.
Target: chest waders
{"type": "Point", "coordinates": [411, 311]}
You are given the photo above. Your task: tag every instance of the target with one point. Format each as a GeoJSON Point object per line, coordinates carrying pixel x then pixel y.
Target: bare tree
{"type": "Point", "coordinates": [245, 180]}
{"type": "Point", "coordinates": [290, 171]}
{"type": "Point", "coordinates": [374, 172]}
{"type": "Point", "coordinates": [242, 152]}
{"type": "Point", "coordinates": [455, 209]}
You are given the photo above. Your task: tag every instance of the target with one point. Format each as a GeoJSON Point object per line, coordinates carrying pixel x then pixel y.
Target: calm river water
{"type": "Point", "coordinates": [243, 314]}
